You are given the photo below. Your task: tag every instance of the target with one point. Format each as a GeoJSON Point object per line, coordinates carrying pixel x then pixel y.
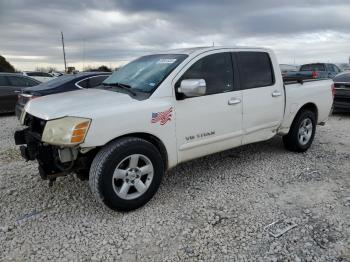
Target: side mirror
{"type": "Point", "coordinates": [192, 87]}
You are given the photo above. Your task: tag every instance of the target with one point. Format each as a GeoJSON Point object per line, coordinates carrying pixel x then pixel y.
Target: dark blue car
{"type": "Point", "coordinates": [341, 101]}
{"type": "Point", "coordinates": [60, 84]}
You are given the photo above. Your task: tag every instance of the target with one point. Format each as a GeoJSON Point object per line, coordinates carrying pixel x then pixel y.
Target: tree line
{"type": "Point", "coordinates": [5, 66]}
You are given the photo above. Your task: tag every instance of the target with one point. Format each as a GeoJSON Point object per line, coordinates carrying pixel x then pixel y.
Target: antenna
{"type": "Point", "coordinates": [64, 54]}
{"type": "Point", "coordinates": [83, 54]}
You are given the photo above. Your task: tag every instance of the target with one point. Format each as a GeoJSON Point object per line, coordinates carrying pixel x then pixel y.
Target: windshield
{"type": "Point", "coordinates": [146, 73]}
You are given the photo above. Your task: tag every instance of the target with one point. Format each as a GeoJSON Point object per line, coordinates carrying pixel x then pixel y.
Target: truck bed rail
{"type": "Point", "coordinates": [301, 80]}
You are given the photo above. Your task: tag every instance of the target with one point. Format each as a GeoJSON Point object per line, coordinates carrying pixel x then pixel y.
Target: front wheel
{"type": "Point", "coordinates": [302, 132]}
{"type": "Point", "coordinates": [126, 173]}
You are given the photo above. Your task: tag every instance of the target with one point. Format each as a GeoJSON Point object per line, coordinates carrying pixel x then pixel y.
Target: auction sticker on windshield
{"type": "Point", "coordinates": [166, 61]}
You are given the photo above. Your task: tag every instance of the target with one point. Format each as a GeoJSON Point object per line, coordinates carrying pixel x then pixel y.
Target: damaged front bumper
{"type": "Point", "coordinates": [53, 160]}
{"type": "Point", "coordinates": [48, 157]}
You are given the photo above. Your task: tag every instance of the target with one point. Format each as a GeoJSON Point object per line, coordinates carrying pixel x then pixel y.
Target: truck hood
{"type": "Point", "coordinates": [75, 102]}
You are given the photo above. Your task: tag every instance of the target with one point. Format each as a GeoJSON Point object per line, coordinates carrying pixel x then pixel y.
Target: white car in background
{"type": "Point", "coordinates": [40, 76]}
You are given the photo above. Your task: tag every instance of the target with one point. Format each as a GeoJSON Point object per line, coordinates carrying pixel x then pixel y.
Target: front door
{"type": "Point", "coordinates": [212, 122]}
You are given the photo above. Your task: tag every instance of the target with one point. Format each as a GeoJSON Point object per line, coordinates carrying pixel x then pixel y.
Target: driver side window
{"type": "Point", "coordinates": [215, 69]}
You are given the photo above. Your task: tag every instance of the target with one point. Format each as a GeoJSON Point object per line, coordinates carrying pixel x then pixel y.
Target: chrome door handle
{"type": "Point", "coordinates": [234, 101]}
{"type": "Point", "coordinates": [276, 93]}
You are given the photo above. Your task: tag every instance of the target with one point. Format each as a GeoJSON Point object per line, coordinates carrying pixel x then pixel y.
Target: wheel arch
{"type": "Point", "coordinates": [288, 123]}
{"type": "Point", "coordinates": [308, 106]}
{"type": "Point", "coordinates": [154, 141]}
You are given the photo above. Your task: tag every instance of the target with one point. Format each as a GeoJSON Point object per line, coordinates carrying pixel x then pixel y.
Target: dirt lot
{"type": "Point", "coordinates": [211, 209]}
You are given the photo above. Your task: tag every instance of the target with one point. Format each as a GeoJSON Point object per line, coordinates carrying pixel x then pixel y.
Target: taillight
{"type": "Point", "coordinates": [333, 90]}
{"type": "Point", "coordinates": [24, 98]}
{"type": "Point", "coordinates": [314, 74]}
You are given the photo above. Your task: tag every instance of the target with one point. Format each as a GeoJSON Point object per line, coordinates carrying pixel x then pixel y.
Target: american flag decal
{"type": "Point", "coordinates": [162, 117]}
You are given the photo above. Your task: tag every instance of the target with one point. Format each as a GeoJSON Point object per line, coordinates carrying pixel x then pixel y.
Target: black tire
{"type": "Point", "coordinates": [291, 140]}
{"type": "Point", "coordinates": [106, 161]}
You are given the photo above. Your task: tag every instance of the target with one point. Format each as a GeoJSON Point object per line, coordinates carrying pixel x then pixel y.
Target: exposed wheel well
{"type": "Point", "coordinates": [311, 107]}
{"type": "Point", "coordinates": [155, 141]}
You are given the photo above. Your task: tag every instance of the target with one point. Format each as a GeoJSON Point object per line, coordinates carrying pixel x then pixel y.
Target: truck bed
{"type": "Point", "coordinates": [299, 93]}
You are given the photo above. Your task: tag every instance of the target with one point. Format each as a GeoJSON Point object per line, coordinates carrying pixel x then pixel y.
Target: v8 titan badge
{"type": "Point", "coordinates": [162, 117]}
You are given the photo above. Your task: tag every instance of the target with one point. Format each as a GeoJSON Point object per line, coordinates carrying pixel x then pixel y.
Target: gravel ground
{"type": "Point", "coordinates": [211, 209]}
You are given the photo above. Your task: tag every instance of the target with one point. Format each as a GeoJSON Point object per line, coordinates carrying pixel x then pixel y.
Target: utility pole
{"type": "Point", "coordinates": [64, 54]}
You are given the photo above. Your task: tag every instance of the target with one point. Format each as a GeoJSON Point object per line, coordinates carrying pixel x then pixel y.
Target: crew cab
{"type": "Point", "coordinates": [164, 109]}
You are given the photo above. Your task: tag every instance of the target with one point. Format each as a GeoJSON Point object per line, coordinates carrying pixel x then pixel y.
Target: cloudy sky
{"type": "Point", "coordinates": [112, 32]}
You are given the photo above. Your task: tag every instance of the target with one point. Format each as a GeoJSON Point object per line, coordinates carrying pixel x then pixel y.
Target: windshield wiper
{"type": "Point", "coordinates": [122, 86]}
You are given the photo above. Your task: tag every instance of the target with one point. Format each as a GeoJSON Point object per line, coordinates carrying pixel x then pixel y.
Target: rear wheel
{"type": "Point", "coordinates": [302, 132]}
{"type": "Point", "coordinates": [126, 173]}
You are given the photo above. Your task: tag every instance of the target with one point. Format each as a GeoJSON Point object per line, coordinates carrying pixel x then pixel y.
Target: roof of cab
{"type": "Point", "coordinates": [201, 49]}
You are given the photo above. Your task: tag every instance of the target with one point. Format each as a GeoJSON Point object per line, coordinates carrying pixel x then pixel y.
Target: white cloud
{"type": "Point", "coordinates": [112, 32]}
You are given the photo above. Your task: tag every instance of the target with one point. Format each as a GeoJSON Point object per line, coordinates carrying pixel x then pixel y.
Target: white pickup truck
{"type": "Point", "coordinates": [163, 109]}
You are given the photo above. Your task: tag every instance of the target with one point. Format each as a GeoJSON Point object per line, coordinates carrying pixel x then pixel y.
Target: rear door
{"type": "Point", "coordinates": [5, 94]}
{"type": "Point", "coordinates": [16, 84]}
{"type": "Point", "coordinates": [212, 122]}
{"type": "Point", "coordinates": [263, 96]}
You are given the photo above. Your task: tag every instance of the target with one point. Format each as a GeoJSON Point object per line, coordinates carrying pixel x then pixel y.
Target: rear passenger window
{"type": "Point", "coordinates": [83, 83]}
{"type": "Point", "coordinates": [92, 81]}
{"type": "Point", "coordinates": [96, 81]}
{"type": "Point", "coordinates": [215, 69]}
{"type": "Point", "coordinates": [255, 69]}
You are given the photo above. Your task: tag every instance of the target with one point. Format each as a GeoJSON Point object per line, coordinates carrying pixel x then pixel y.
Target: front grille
{"type": "Point", "coordinates": [35, 124]}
